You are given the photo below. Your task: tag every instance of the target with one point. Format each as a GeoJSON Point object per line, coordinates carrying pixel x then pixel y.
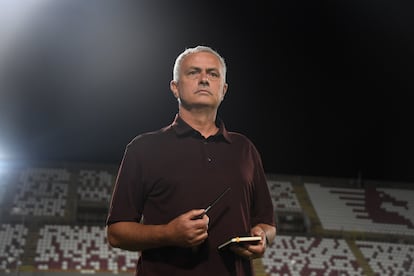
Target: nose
{"type": "Point", "coordinates": [204, 76]}
{"type": "Point", "coordinates": [204, 81]}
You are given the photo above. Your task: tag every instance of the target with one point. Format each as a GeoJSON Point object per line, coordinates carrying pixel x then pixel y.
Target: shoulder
{"type": "Point", "coordinates": [237, 137]}
{"type": "Point", "coordinates": [147, 139]}
{"type": "Point", "coordinates": [241, 141]}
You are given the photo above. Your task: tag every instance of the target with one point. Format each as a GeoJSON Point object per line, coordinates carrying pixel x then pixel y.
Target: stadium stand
{"type": "Point", "coordinates": [12, 241]}
{"type": "Point", "coordinates": [388, 258]}
{"type": "Point", "coordinates": [376, 210]}
{"type": "Point", "coordinates": [288, 211]}
{"type": "Point", "coordinates": [290, 255]}
{"type": "Point", "coordinates": [80, 248]}
{"type": "Point", "coordinates": [283, 196]}
{"type": "Point", "coordinates": [95, 185]}
{"type": "Point", "coordinates": [41, 192]}
{"type": "Point", "coordinates": [53, 222]}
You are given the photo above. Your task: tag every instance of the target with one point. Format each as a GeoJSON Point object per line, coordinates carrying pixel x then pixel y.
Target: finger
{"type": "Point", "coordinates": [197, 214]}
{"type": "Point", "coordinates": [241, 251]}
{"type": "Point", "coordinates": [202, 223]}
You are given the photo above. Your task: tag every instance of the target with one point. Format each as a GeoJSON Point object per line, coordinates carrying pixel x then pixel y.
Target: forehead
{"type": "Point", "coordinates": [202, 59]}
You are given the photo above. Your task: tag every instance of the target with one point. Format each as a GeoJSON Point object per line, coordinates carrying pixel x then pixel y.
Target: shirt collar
{"type": "Point", "coordinates": [181, 128]}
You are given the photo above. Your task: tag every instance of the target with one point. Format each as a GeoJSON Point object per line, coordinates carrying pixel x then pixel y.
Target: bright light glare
{"type": "Point", "coordinates": [5, 162]}
{"type": "Point", "coordinates": [13, 19]}
{"type": "Point", "coordinates": [3, 155]}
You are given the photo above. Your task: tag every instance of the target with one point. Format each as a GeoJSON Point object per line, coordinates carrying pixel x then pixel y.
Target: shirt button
{"type": "Point", "coordinates": [209, 159]}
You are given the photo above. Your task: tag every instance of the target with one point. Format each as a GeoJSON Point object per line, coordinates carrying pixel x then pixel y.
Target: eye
{"type": "Point", "coordinates": [214, 74]}
{"type": "Point", "coordinates": [193, 74]}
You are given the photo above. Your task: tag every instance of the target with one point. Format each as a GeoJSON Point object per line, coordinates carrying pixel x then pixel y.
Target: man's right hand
{"type": "Point", "coordinates": [188, 229]}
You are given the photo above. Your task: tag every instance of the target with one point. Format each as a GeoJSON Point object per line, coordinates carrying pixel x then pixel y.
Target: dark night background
{"type": "Point", "coordinates": [321, 87]}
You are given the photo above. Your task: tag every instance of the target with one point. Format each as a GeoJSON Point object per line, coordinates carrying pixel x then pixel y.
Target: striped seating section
{"type": "Point", "coordinates": [388, 258]}
{"type": "Point", "coordinates": [42, 192]}
{"type": "Point", "coordinates": [295, 255]}
{"type": "Point", "coordinates": [283, 196]}
{"type": "Point", "coordinates": [80, 248]}
{"type": "Point", "coordinates": [12, 241]}
{"type": "Point", "coordinates": [52, 220]}
{"type": "Point", "coordinates": [376, 210]}
{"type": "Point", "coordinates": [95, 185]}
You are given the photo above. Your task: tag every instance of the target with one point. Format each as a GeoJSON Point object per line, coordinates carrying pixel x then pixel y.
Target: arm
{"type": "Point", "coordinates": [183, 231]}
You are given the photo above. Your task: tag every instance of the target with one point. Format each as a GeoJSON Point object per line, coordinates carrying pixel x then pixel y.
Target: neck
{"type": "Point", "coordinates": [203, 122]}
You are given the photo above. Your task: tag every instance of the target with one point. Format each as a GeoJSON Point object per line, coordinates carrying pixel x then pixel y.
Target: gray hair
{"type": "Point", "coordinates": [197, 49]}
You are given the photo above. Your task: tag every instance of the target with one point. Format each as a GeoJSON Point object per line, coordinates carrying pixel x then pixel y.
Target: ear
{"type": "Point", "coordinates": [225, 86]}
{"type": "Point", "coordinates": [174, 88]}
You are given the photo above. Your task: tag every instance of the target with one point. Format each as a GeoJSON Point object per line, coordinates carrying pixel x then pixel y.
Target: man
{"type": "Point", "coordinates": [167, 178]}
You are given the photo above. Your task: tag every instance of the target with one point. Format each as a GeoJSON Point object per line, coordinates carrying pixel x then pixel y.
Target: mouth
{"type": "Point", "coordinates": [202, 91]}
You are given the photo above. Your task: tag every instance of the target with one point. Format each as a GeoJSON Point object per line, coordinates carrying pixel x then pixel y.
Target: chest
{"type": "Point", "coordinates": [192, 174]}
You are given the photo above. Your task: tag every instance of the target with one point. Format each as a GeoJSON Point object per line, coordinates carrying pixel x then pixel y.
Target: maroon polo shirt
{"type": "Point", "coordinates": [173, 170]}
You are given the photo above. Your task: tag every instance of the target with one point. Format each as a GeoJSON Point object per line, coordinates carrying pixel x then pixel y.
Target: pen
{"type": "Point", "coordinates": [213, 203]}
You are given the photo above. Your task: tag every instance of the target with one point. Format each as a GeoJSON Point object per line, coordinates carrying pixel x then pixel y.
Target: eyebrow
{"type": "Point", "coordinates": [208, 70]}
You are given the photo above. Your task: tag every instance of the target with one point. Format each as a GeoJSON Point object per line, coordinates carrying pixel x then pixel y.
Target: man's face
{"type": "Point", "coordinates": [201, 81]}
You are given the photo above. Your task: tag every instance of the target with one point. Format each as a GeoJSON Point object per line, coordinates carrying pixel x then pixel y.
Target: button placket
{"type": "Point", "coordinates": [209, 159]}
